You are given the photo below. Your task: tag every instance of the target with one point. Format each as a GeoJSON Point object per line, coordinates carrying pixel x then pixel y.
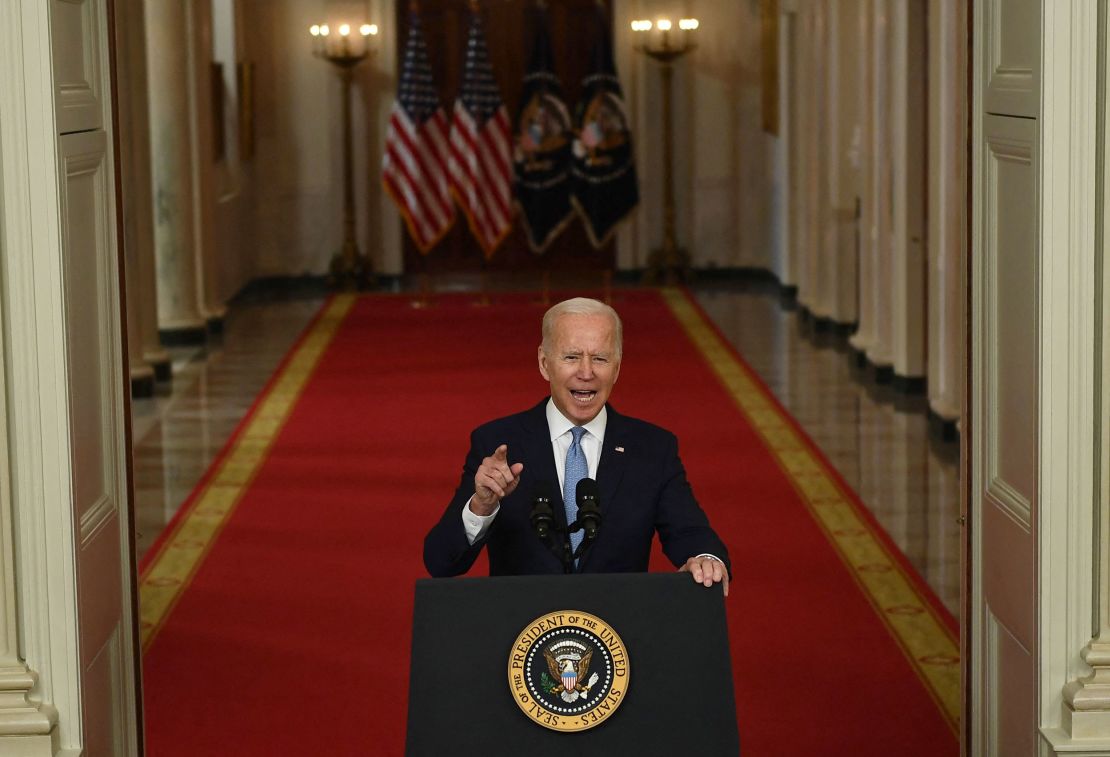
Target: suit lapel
{"type": "Point", "coordinates": [540, 459]}
{"type": "Point", "coordinates": [610, 468]}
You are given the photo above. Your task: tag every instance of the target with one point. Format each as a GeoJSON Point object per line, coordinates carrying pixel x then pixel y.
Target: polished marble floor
{"type": "Point", "coordinates": [179, 431]}
{"type": "Point", "coordinates": [878, 439]}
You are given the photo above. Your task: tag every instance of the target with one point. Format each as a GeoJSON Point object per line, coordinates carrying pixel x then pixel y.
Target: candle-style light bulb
{"type": "Point", "coordinates": [688, 24]}
{"type": "Point", "coordinates": [663, 24]}
{"type": "Point", "coordinates": [324, 30]}
{"type": "Point", "coordinates": [314, 30]}
{"type": "Point", "coordinates": [344, 30]}
{"type": "Point", "coordinates": [364, 30]}
{"type": "Point", "coordinates": [373, 29]}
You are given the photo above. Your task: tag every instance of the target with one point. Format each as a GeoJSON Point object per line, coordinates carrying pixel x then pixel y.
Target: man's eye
{"type": "Point", "coordinates": [601, 360]}
{"type": "Point", "coordinates": [570, 357]}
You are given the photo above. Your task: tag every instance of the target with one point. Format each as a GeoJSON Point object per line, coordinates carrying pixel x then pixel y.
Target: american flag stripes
{"type": "Point", "coordinates": [414, 169]}
{"type": "Point", "coordinates": [481, 167]}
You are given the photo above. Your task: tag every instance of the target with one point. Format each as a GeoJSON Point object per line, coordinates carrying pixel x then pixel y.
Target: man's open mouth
{"type": "Point", "coordinates": [583, 395]}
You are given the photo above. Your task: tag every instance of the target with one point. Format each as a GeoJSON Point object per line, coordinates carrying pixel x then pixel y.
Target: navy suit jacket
{"type": "Point", "coordinates": [643, 491]}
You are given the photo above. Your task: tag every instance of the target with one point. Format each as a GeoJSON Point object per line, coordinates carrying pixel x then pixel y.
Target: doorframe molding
{"type": "Point", "coordinates": [32, 290]}
{"type": "Point", "coordinates": [1069, 415]}
{"type": "Point", "coordinates": [20, 715]}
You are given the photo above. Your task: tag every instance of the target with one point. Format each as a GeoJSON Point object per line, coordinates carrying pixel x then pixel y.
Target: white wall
{"type": "Point", "coordinates": [298, 163]}
{"type": "Point", "coordinates": [726, 172]}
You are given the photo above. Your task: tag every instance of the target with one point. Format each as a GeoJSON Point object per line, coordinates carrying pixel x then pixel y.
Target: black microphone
{"type": "Point", "coordinates": [542, 516]}
{"type": "Point", "coordinates": [589, 507]}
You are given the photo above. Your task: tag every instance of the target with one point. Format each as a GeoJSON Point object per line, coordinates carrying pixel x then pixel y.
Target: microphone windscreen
{"type": "Point", "coordinates": [587, 487]}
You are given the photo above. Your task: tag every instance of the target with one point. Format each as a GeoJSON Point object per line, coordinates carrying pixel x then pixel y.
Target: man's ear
{"type": "Point", "coordinates": [542, 358]}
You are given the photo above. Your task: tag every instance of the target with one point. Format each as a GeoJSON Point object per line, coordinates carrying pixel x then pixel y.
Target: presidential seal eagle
{"type": "Point", "coordinates": [569, 669]}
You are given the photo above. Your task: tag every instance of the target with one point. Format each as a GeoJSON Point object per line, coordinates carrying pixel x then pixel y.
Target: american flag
{"type": "Point", "coordinates": [481, 155]}
{"type": "Point", "coordinates": [414, 169]}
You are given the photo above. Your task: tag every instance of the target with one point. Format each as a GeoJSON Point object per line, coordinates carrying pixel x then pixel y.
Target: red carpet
{"type": "Point", "coordinates": [292, 637]}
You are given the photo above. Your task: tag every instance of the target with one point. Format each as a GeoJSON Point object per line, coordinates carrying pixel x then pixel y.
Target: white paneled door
{"type": "Point", "coordinates": [96, 386]}
{"type": "Point", "coordinates": [1005, 389]}
{"type": "Point", "coordinates": [97, 454]}
{"type": "Point", "coordinates": [66, 382]}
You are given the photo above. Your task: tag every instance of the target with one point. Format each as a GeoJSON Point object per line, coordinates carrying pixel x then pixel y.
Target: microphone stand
{"type": "Point", "coordinates": [587, 540]}
{"type": "Point", "coordinates": [561, 552]}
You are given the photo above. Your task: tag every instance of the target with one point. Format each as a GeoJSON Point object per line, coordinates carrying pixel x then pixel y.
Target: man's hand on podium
{"type": "Point", "coordinates": [495, 480]}
{"type": "Point", "coordinates": [707, 571]}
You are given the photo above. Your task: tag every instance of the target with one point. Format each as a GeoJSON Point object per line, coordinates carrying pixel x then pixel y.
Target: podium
{"type": "Point", "coordinates": [481, 683]}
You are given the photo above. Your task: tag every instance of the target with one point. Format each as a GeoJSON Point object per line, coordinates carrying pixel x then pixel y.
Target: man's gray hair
{"type": "Point", "coordinates": [581, 306]}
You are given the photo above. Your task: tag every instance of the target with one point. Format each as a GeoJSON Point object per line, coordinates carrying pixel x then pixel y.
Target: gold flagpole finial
{"type": "Point", "coordinates": [414, 6]}
{"type": "Point", "coordinates": [474, 6]}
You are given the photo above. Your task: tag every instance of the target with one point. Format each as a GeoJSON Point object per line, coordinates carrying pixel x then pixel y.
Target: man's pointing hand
{"type": "Point", "coordinates": [494, 481]}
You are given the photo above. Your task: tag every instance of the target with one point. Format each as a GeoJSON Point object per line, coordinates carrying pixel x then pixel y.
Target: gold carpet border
{"type": "Point", "coordinates": [926, 641]}
{"type": "Point", "coordinates": [171, 570]}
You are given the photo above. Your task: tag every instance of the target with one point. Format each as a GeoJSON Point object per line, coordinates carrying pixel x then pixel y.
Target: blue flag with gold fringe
{"type": "Point", "coordinates": [542, 145]}
{"type": "Point", "coordinates": [604, 184]}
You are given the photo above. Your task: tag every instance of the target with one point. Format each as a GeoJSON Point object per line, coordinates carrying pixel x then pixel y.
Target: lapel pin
{"type": "Point", "coordinates": [619, 449]}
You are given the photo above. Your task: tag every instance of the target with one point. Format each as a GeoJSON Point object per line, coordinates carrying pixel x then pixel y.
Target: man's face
{"type": "Point", "coordinates": [582, 365]}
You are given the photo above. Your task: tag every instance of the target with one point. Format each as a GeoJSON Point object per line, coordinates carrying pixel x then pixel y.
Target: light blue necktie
{"type": "Point", "coordinates": [576, 470]}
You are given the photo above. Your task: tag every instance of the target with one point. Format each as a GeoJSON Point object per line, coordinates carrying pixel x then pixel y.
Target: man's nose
{"type": "Point", "coordinates": [585, 368]}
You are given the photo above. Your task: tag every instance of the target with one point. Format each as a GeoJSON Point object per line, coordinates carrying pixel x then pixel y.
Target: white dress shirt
{"type": "Point", "coordinates": [561, 438]}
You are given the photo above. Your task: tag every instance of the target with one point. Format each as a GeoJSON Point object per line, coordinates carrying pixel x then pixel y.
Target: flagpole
{"type": "Point", "coordinates": [423, 284]}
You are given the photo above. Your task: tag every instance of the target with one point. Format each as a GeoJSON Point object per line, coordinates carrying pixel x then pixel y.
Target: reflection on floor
{"type": "Point", "coordinates": [878, 439]}
{"type": "Point", "coordinates": [180, 431]}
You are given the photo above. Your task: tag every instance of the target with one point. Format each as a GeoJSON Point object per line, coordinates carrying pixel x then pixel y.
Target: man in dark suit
{"type": "Point", "coordinates": [571, 435]}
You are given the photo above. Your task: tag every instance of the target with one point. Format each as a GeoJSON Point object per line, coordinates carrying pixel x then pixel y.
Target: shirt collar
{"type": "Point", "coordinates": [558, 424]}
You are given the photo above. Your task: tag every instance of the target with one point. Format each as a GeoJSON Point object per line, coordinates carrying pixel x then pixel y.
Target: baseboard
{"type": "Point", "coordinates": [915, 385]}
{"type": "Point", "coordinates": [943, 428]}
{"type": "Point", "coordinates": [163, 370]}
{"type": "Point", "coordinates": [268, 288]}
{"type": "Point", "coordinates": [142, 387]}
{"type": "Point", "coordinates": [189, 336]}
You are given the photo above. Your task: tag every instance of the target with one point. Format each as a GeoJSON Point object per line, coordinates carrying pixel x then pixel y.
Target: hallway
{"type": "Point", "coordinates": [878, 439]}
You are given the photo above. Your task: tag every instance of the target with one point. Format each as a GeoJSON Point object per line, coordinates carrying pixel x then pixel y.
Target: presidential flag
{"type": "Point", "coordinates": [414, 169]}
{"type": "Point", "coordinates": [481, 167]}
{"type": "Point", "coordinates": [604, 184]}
{"type": "Point", "coordinates": [542, 148]}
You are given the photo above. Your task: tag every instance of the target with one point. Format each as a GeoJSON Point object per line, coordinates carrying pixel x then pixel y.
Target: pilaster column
{"type": "Point", "coordinates": [809, 292]}
{"type": "Point", "coordinates": [199, 40]}
{"type": "Point", "coordinates": [146, 362]}
{"type": "Point", "coordinates": [800, 168]}
{"type": "Point", "coordinates": [947, 206]}
{"type": "Point", "coordinates": [879, 345]}
{"type": "Point", "coordinates": [23, 723]}
{"type": "Point", "coordinates": [789, 134]}
{"type": "Point", "coordinates": [844, 107]}
{"type": "Point", "coordinates": [829, 158]}
{"type": "Point", "coordinates": [179, 314]}
{"type": "Point", "coordinates": [908, 143]}
{"type": "Point", "coordinates": [138, 208]}
{"type": "Point", "coordinates": [1086, 711]}
{"type": "Point", "coordinates": [869, 182]}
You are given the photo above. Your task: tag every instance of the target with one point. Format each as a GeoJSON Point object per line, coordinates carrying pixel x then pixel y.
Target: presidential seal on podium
{"type": "Point", "coordinates": [568, 670]}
